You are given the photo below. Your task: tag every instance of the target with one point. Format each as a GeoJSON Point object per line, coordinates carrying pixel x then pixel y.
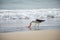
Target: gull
{"type": "Point", "coordinates": [37, 22]}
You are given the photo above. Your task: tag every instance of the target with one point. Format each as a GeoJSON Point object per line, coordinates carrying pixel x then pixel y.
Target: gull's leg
{"type": "Point", "coordinates": [35, 26]}
{"type": "Point", "coordinates": [38, 26]}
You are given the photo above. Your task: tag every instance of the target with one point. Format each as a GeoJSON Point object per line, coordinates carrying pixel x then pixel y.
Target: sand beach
{"type": "Point", "coordinates": [31, 35]}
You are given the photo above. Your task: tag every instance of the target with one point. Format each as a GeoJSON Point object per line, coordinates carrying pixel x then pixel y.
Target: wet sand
{"type": "Point", "coordinates": [31, 35]}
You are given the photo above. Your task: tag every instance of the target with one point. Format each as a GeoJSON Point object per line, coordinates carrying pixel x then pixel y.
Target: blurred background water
{"type": "Point", "coordinates": [18, 20]}
{"type": "Point", "coordinates": [15, 15]}
{"type": "Point", "coordinates": [29, 4]}
{"type": "Point", "coordinates": [21, 25]}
